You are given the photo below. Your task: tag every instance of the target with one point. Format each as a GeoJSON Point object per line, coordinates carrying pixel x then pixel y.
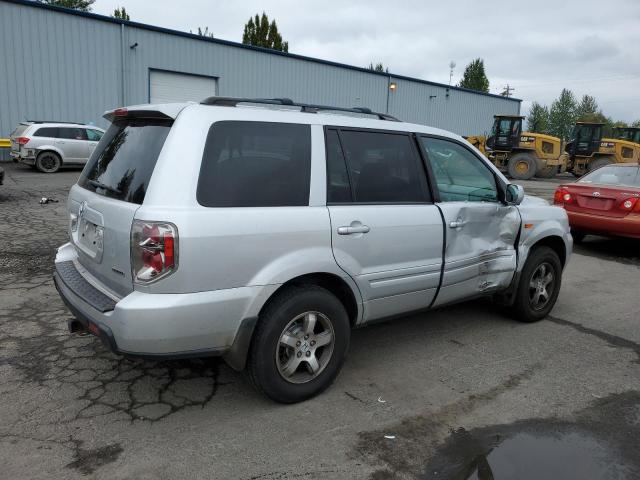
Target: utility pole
{"type": "Point", "coordinates": [507, 91]}
{"type": "Point", "coordinates": [452, 65]}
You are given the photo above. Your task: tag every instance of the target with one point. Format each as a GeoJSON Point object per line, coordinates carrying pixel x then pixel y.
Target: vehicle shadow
{"type": "Point", "coordinates": [622, 250]}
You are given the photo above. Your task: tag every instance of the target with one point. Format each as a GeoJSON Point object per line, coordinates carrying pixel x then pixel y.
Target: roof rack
{"type": "Point", "coordinates": [52, 121]}
{"type": "Point", "coordinates": [287, 102]}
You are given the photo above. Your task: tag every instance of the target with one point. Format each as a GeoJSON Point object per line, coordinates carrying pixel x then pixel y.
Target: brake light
{"type": "Point", "coordinates": [154, 251]}
{"type": "Point", "coordinates": [120, 112]}
{"type": "Point", "coordinates": [562, 196]}
{"type": "Point", "coordinates": [22, 140]}
{"type": "Point", "coordinates": [628, 204]}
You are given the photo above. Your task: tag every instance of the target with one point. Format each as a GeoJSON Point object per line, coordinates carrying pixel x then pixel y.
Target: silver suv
{"type": "Point", "coordinates": [263, 231]}
{"type": "Point", "coordinates": [48, 146]}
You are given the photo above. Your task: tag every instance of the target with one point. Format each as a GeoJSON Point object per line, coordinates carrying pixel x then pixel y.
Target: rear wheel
{"type": "Point", "coordinates": [299, 345]}
{"type": "Point", "coordinates": [522, 166]}
{"type": "Point", "coordinates": [599, 162]}
{"type": "Point", "coordinates": [48, 162]}
{"type": "Point", "coordinates": [539, 285]}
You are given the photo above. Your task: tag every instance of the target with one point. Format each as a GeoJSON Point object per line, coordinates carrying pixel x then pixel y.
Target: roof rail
{"type": "Point", "coordinates": [52, 121]}
{"type": "Point", "coordinates": [287, 102]}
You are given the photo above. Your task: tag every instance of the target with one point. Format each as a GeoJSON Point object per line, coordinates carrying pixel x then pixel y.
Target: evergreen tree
{"type": "Point", "coordinates": [259, 32]}
{"type": "Point", "coordinates": [562, 115]}
{"type": "Point", "coordinates": [538, 120]}
{"type": "Point", "coordinates": [587, 110]}
{"type": "Point", "coordinates": [121, 13]}
{"type": "Point", "coordinates": [378, 67]}
{"type": "Point", "coordinates": [83, 5]}
{"type": "Point", "coordinates": [203, 32]}
{"type": "Point", "coordinates": [474, 77]}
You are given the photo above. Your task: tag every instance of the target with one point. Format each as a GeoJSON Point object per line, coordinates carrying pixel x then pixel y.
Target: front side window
{"type": "Point", "coordinates": [459, 174]}
{"type": "Point", "coordinates": [94, 135]}
{"type": "Point", "coordinates": [382, 167]}
{"type": "Point", "coordinates": [255, 164]}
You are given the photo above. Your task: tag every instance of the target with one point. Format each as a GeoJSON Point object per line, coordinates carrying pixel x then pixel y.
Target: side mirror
{"type": "Point", "coordinates": [515, 194]}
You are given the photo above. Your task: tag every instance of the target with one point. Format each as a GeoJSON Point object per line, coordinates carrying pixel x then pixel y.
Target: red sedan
{"type": "Point", "coordinates": [603, 202]}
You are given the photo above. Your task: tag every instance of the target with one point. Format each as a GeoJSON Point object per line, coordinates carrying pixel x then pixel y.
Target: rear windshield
{"type": "Point", "coordinates": [123, 161]}
{"type": "Point", "coordinates": [19, 130]}
{"type": "Point", "coordinates": [627, 176]}
{"type": "Point", "coordinates": [255, 164]}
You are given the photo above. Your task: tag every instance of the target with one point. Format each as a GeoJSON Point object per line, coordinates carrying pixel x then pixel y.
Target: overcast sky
{"type": "Point", "coordinates": [539, 47]}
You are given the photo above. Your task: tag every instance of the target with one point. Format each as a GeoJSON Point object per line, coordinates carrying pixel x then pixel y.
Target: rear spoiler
{"type": "Point", "coordinates": [167, 111]}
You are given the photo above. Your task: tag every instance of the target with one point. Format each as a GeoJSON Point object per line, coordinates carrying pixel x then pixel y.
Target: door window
{"type": "Point", "coordinates": [381, 168]}
{"type": "Point", "coordinates": [72, 133]}
{"type": "Point", "coordinates": [459, 174]}
{"type": "Point", "coordinates": [94, 135]}
{"type": "Point", "coordinates": [338, 185]}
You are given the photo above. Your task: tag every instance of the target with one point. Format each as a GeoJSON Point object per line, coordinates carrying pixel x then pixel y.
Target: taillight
{"type": "Point", "coordinates": [22, 140]}
{"type": "Point", "coordinates": [120, 112]}
{"type": "Point", "coordinates": [628, 204]}
{"type": "Point", "coordinates": [562, 196]}
{"type": "Point", "coordinates": [154, 250]}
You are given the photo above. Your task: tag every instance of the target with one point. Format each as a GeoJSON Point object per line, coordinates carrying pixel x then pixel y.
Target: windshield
{"type": "Point", "coordinates": [122, 163]}
{"type": "Point", "coordinates": [628, 176]}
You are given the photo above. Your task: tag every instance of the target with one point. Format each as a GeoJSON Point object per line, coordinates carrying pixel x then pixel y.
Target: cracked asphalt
{"type": "Point", "coordinates": [412, 394]}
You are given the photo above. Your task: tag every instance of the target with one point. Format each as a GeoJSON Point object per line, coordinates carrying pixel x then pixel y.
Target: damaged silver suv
{"type": "Point", "coordinates": [264, 231]}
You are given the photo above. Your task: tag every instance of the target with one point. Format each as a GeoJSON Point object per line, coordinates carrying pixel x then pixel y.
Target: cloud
{"type": "Point", "coordinates": [538, 48]}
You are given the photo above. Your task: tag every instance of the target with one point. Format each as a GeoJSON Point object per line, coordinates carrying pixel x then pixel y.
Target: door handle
{"type": "Point", "coordinates": [354, 229]}
{"type": "Point", "coordinates": [457, 224]}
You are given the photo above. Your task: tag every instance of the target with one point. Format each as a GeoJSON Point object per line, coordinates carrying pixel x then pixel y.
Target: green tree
{"type": "Point", "coordinates": [636, 124]}
{"type": "Point", "coordinates": [121, 13]}
{"type": "Point", "coordinates": [259, 32]}
{"type": "Point", "coordinates": [538, 119]}
{"type": "Point", "coordinates": [587, 110]}
{"type": "Point", "coordinates": [378, 67]}
{"type": "Point", "coordinates": [562, 115]}
{"type": "Point", "coordinates": [203, 32]}
{"type": "Point", "coordinates": [84, 5]}
{"type": "Point", "coordinates": [474, 77]}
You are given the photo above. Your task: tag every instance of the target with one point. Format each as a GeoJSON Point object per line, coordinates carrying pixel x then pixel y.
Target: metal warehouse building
{"type": "Point", "coordinates": [61, 64]}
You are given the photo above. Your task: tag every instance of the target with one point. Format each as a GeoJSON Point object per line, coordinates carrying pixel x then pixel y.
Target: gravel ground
{"type": "Point", "coordinates": [436, 395]}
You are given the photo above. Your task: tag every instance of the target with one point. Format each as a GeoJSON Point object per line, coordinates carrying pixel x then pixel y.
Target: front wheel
{"type": "Point", "coordinates": [522, 166]}
{"type": "Point", "coordinates": [300, 344]}
{"type": "Point", "coordinates": [539, 285]}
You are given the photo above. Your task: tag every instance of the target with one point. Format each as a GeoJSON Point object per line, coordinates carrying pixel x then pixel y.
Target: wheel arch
{"type": "Point", "coordinates": [555, 243]}
{"type": "Point", "coordinates": [50, 149]}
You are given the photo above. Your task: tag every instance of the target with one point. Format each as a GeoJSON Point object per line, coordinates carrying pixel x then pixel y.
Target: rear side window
{"type": "Point", "coordinates": [122, 163]}
{"type": "Point", "coordinates": [255, 164]}
{"type": "Point", "coordinates": [382, 168]}
{"type": "Point", "coordinates": [51, 132]}
{"type": "Point", "coordinates": [72, 133]}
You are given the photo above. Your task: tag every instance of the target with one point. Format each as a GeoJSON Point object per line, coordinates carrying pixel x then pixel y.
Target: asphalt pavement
{"type": "Point", "coordinates": [462, 392]}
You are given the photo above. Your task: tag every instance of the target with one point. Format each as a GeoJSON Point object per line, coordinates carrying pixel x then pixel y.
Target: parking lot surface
{"type": "Point", "coordinates": [452, 393]}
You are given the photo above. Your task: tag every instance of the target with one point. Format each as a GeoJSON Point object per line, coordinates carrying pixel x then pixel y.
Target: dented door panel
{"type": "Point", "coordinates": [480, 254]}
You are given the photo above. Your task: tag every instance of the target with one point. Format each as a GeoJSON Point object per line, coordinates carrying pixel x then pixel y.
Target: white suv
{"type": "Point", "coordinates": [48, 146]}
{"type": "Point", "coordinates": [263, 231]}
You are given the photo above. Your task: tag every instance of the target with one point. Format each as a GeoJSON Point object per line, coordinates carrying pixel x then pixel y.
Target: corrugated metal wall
{"type": "Point", "coordinates": [62, 66]}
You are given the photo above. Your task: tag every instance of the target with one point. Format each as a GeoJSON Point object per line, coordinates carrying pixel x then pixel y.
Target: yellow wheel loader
{"type": "Point", "coordinates": [587, 150]}
{"type": "Point", "coordinates": [521, 154]}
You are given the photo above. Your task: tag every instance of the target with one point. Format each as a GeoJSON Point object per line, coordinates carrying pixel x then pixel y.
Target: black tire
{"type": "Point", "coordinates": [598, 162]}
{"type": "Point", "coordinates": [522, 166]}
{"type": "Point", "coordinates": [48, 162]}
{"type": "Point", "coordinates": [264, 364]}
{"type": "Point", "coordinates": [546, 172]}
{"type": "Point", "coordinates": [578, 237]}
{"type": "Point", "coordinates": [524, 308]}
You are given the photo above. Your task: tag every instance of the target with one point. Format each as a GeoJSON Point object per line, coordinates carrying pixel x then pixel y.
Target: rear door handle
{"type": "Point", "coordinates": [457, 224]}
{"type": "Point", "coordinates": [354, 229]}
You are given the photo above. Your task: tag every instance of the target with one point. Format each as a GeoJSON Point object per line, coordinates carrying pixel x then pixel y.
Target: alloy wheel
{"type": "Point", "coordinates": [541, 286]}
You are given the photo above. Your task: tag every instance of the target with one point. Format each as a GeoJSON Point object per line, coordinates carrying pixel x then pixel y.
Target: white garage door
{"type": "Point", "coordinates": [167, 87]}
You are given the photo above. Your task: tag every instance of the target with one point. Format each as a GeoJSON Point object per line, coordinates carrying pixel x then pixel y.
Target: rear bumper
{"type": "Point", "coordinates": [164, 325]}
{"type": "Point", "coordinates": [627, 226]}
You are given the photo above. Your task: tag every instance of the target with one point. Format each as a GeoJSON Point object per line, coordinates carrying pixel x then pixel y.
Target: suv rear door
{"type": "Point", "coordinates": [111, 188]}
{"type": "Point", "coordinates": [73, 143]}
{"type": "Point", "coordinates": [386, 232]}
{"type": "Point", "coordinates": [481, 231]}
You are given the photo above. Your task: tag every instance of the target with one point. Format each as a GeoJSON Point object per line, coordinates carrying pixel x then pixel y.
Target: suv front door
{"type": "Point", "coordinates": [480, 253]}
{"type": "Point", "coordinates": [386, 232]}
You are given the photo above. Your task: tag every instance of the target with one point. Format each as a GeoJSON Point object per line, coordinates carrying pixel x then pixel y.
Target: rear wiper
{"type": "Point", "coordinates": [96, 184]}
